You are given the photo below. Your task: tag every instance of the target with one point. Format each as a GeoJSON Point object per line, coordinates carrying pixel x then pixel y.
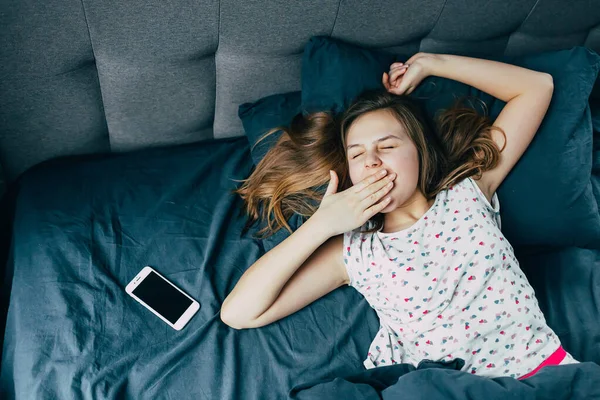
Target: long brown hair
{"type": "Point", "coordinates": [294, 173]}
{"type": "Point", "coordinates": [286, 181]}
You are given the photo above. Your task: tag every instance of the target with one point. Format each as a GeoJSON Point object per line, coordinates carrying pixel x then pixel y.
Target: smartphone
{"type": "Point", "coordinates": [165, 300]}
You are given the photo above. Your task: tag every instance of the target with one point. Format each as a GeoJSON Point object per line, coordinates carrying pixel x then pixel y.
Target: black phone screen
{"type": "Point", "coordinates": [162, 297]}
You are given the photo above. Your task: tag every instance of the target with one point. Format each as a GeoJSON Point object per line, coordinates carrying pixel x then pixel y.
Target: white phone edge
{"type": "Point", "coordinates": [185, 317]}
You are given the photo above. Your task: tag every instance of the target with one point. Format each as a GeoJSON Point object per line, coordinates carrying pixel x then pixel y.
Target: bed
{"type": "Point", "coordinates": [121, 144]}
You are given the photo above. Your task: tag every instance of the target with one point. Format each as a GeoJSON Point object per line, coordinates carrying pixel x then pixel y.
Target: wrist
{"type": "Point", "coordinates": [319, 227]}
{"type": "Point", "coordinates": [435, 64]}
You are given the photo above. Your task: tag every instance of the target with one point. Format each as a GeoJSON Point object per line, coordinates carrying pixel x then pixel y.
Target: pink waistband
{"type": "Point", "coordinates": [554, 359]}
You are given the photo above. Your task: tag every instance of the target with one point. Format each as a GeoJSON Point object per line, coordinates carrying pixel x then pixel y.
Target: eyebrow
{"type": "Point", "coordinates": [374, 141]}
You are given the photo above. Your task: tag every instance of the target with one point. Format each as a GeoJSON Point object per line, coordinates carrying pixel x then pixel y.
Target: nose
{"type": "Point", "coordinates": [372, 161]}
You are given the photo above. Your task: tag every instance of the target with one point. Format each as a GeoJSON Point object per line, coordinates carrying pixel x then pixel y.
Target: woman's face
{"type": "Point", "coordinates": [376, 141]}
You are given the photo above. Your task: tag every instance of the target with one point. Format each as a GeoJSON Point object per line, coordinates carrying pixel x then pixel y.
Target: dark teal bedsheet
{"type": "Point", "coordinates": [83, 227]}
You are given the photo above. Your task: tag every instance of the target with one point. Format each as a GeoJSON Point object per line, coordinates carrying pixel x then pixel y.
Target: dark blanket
{"type": "Point", "coordinates": [433, 381]}
{"type": "Point", "coordinates": [83, 228]}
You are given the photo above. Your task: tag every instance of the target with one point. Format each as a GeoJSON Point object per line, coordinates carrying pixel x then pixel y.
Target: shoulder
{"type": "Point", "coordinates": [358, 241]}
{"type": "Point", "coordinates": [473, 187]}
{"type": "Point", "coordinates": [484, 188]}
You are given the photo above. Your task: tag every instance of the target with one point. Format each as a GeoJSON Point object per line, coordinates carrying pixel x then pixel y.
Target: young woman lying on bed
{"type": "Point", "coordinates": [414, 225]}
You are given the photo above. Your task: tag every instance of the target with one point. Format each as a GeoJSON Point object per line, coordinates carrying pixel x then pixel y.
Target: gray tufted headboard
{"type": "Point", "coordinates": [82, 76]}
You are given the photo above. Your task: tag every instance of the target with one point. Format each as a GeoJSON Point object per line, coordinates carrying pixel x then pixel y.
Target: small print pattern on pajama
{"type": "Point", "coordinates": [450, 287]}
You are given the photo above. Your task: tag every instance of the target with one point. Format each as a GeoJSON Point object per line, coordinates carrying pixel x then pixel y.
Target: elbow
{"type": "Point", "coordinates": [547, 81]}
{"type": "Point", "coordinates": [231, 322]}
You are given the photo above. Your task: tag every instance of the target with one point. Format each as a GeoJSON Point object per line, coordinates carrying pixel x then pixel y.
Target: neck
{"type": "Point", "coordinates": [407, 214]}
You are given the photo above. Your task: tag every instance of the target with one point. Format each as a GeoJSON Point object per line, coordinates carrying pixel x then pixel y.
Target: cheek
{"type": "Point", "coordinates": [354, 172]}
{"type": "Point", "coordinates": [406, 165]}
{"type": "Point", "coordinates": [411, 163]}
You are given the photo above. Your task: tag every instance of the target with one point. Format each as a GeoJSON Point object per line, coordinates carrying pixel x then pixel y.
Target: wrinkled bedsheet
{"type": "Point", "coordinates": [84, 227]}
{"type": "Point", "coordinates": [443, 381]}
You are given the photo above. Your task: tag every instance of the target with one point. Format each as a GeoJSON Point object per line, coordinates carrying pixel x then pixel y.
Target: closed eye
{"type": "Point", "coordinates": [356, 155]}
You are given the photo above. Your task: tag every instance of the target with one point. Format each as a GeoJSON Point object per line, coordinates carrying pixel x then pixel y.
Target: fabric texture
{"type": "Point", "coordinates": [258, 118]}
{"type": "Point", "coordinates": [73, 332]}
{"type": "Point", "coordinates": [559, 357]}
{"type": "Point", "coordinates": [567, 286]}
{"type": "Point", "coordinates": [450, 287]}
{"type": "Point", "coordinates": [125, 76]}
{"type": "Point", "coordinates": [439, 381]}
{"type": "Point", "coordinates": [554, 173]}
{"type": "Point", "coordinates": [265, 114]}
{"type": "Point", "coordinates": [74, 250]}
{"type": "Point", "coordinates": [2, 182]}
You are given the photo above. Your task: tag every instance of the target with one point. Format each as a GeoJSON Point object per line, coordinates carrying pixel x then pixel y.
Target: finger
{"type": "Point", "coordinates": [365, 183]}
{"type": "Point", "coordinates": [333, 182]}
{"type": "Point", "coordinates": [397, 77]}
{"type": "Point", "coordinates": [402, 68]}
{"type": "Point", "coordinates": [396, 74]}
{"type": "Point", "coordinates": [375, 208]}
{"type": "Point", "coordinates": [394, 84]}
{"type": "Point", "coordinates": [375, 187]}
{"type": "Point", "coordinates": [385, 82]}
{"type": "Point", "coordinates": [403, 87]}
{"type": "Point", "coordinates": [398, 66]}
{"type": "Point", "coordinates": [377, 195]}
